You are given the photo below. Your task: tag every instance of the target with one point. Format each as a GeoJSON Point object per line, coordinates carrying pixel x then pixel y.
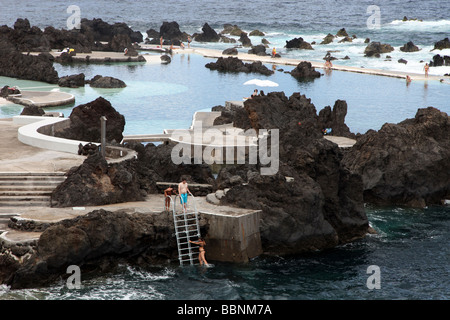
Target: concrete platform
{"type": "Point", "coordinates": [16, 156]}
{"type": "Point", "coordinates": [100, 57]}
{"type": "Point", "coordinates": [233, 234]}
{"type": "Point", "coordinates": [42, 98]}
{"type": "Point", "coordinates": [211, 53]}
{"type": "Point", "coordinates": [342, 142]}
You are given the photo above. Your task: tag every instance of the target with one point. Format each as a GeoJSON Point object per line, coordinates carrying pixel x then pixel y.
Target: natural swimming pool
{"type": "Point", "coordinates": [159, 97]}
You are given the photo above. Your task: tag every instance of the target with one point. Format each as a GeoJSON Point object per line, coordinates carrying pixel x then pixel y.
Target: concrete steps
{"type": "Point", "coordinates": [28, 189]}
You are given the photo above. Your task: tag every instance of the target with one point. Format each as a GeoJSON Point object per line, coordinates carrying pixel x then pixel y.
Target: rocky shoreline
{"type": "Point", "coordinates": [314, 202]}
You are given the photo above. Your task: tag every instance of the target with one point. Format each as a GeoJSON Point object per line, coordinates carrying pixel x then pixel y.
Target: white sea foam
{"type": "Point", "coordinates": [417, 25]}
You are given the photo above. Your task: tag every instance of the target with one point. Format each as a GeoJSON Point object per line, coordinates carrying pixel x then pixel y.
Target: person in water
{"type": "Point", "coordinates": [201, 255]}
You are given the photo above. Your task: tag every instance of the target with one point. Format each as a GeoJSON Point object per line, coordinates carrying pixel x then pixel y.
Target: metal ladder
{"type": "Point", "coordinates": [186, 228]}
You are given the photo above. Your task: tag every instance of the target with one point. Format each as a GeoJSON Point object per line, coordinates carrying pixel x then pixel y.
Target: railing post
{"type": "Point", "coordinates": [103, 135]}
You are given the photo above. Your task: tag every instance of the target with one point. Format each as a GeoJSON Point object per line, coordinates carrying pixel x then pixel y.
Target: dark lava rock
{"type": "Point", "coordinates": [154, 164]}
{"type": "Point", "coordinates": [170, 31]}
{"type": "Point", "coordinates": [60, 39]}
{"type": "Point", "coordinates": [7, 90]}
{"type": "Point", "coordinates": [335, 119]}
{"type": "Point", "coordinates": [122, 43]}
{"type": "Point", "coordinates": [106, 82]}
{"type": "Point", "coordinates": [99, 30]}
{"type": "Point", "coordinates": [439, 61]}
{"type": "Point", "coordinates": [442, 44]}
{"type": "Point", "coordinates": [96, 183]}
{"type": "Point", "coordinates": [208, 35]}
{"type": "Point", "coordinates": [32, 110]}
{"type": "Point", "coordinates": [25, 38]}
{"type": "Point", "coordinates": [230, 52]}
{"type": "Point", "coordinates": [85, 122]}
{"type": "Point", "coordinates": [328, 39]}
{"type": "Point", "coordinates": [96, 242]}
{"type": "Point", "coordinates": [406, 163]}
{"type": "Point", "coordinates": [305, 70]}
{"type": "Point", "coordinates": [259, 50]}
{"type": "Point", "coordinates": [402, 61]}
{"type": "Point", "coordinates": [245, 40]}
{"type": "Point", "coordinates": [233, 64]}
{"type": "Point", "coordinates": [233, 30]}
{"type": "Point", "coordinates": [342, 33]}
{"type": "Point", "coordinates": [72, 81]}
{"type": "Point", "coordinates": [313, 202]}
{"type": "Point", "coordinates": [298, 43]}
{"type": "Point", "coordinates": [374, 49]}
{"type": "Point", "coordinates": [28, 67]}
{"type": "Point", "coordinates": [409, 47]}
{"type": "Point", "coordinates": [165, 59]}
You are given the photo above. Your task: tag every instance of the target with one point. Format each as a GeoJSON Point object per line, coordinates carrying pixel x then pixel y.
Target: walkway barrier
{"type": "Point", "coordinates": [38, 132]}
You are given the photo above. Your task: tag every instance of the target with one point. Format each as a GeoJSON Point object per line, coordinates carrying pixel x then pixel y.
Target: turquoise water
{"type": "Point", "coordinates": [159, 97]}
{"type": "Point", "coordinates": [411, 247]}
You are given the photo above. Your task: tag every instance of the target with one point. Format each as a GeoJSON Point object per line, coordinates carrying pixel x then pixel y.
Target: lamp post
{"type": "Point", "coordinates": [103, 135]}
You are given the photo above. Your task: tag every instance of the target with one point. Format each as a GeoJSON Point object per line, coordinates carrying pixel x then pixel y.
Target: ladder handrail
{"type": "Point", "coordinates": [185, 229]}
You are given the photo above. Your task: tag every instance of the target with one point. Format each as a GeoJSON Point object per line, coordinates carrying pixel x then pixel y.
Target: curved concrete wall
{"type": "Point", "coordinates": [29, 134]}
{"type": "Point", "coordinates": [37, 131]}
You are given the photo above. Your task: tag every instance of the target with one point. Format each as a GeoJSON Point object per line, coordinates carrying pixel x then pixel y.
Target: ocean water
{"type": "Point", "coordinates": [411, 247]}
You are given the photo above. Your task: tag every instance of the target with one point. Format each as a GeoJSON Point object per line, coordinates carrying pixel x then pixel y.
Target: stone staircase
{"type": "Point", "coordinates": [28, 189]}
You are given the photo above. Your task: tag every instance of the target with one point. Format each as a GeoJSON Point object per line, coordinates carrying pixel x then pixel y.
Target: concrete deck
{"type": "Point", "coordinates": [16, 156]}
{"type": "Point", "coordinates": [342, 142]}
{"type": "Point", "coordinates": [104, 56]}
{"type": "Point", "coordinates": [211, 53]}
{"type": "Point", "coordinates": [42, 98]}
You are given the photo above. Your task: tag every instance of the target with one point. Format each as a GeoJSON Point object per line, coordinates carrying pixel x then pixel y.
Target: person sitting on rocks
{"type": "Point", "coordinates": [254, 94]}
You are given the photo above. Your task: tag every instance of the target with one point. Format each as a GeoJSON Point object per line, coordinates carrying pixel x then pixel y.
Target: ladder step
{"type": "Point", "coordinates": [186, 226]}
{"type": "Point", "coordinates": [188, 219]}
{"type": "Point", "coordinates": [183, 214]}
{"type": "Point", "coordinates": [186, 237]}
{"type": "Point", "coordinates": [187, 254]}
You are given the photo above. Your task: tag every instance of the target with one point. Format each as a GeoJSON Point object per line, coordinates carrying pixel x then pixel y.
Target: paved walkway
{"type": "Point", "coordinates": [16, 156]}
{"type": "Point", "coordinates": [211, 53]}
{"type": "Point", "coordinates": [100, 56]}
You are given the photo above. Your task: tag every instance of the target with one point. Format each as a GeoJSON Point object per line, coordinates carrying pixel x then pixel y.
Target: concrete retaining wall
{"type": "Point", "coordinates": [38, 132]}
{"type": "Point", "coordinates": [233, 238]}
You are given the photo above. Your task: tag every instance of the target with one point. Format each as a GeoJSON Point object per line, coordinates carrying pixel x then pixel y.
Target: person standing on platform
{"type": "Point", "coordinates": [426, 68]}
{"type": "Point", "coordinates": [183, 191]}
